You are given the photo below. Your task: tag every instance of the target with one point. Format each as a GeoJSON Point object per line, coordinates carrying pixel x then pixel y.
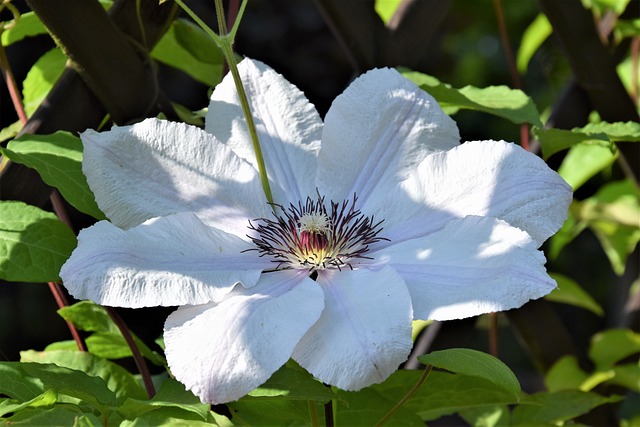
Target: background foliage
{"type": "Point", "coordinates": [572, 357]}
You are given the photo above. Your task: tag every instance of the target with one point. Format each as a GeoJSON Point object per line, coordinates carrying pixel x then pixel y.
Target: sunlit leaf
{"type": "Point", "coordinates": [570, 292]}
{"type": "Point", "coordinates": [474, 363]}
{"type": "Point", "coordinates": [616, 132]}
{"type": "Point", "coordinates": [88, 316]}
{"type": "Point", "coordinates": [187, 47]}
{"type": "Point", "coordinates": [112, 345]}
{"type": "Point", "coordinates": [571, 228]}
{"type": "Point", "coordinates": [557, 406]}
{"type": "Point", "coordinates": [613, 214]}
{"type": "Point", "coordinates": [46, 399]}
{"type": "Point", "coordinates": [10, 131]}
{"type": "Point", "coordinates": [584, 161]}
{"type": "Point", "coordinates": [171, 394]}
{"type": "Point", "coordinates": [511, 104]}
{"type": "Point", "coordinates": [117, 379]}
{"type": "Point", "coordinates": [33, 243]}
{"type": "Point", "coordinates": [68, 415]}
{"type": "Point", "coordinates": [166, 416]}
{"type": "Point", "coordinates": [565, 374]}
{"type": "Point", "coordinates": [613, 345]}
{"type": "Point", "coordinates": [26, 26]}
{"type": "Point", "coordinates": [627, 375]}
{"type": "Point", "coordinates": [293, 384]}
{"type": "Point", "coordinates": [487, 416]}
{"type": "Point", "coordinates": [58, 160]}
{"type": "Point", "coordinates": [386, 8]}
{"type": "Point", "coordinates": [555, 140]}
{"type": "Point", "coordinates": [41, 78]}
{"type": "Point", "coordinates": [533, 37]}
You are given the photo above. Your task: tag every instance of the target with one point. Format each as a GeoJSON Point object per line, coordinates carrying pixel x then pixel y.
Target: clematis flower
{"type": "Point", "coordinates": [380, 216]}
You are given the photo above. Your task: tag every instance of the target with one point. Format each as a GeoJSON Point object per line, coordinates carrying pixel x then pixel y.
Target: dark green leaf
{"type": "Point", "coordinates": [511, 104]}
{"type": "Point", "coordinates": [444, 393]}
{"type": "Point", "coordinates": [557, 406]}
{"type": "Point", "coordinates": [58, 160]}
{"type": "Point", "coordinates": [613, 345]}
{"type": "Point", "coordinates": [164, 416]}
{"type": "Point", "coordinates": [250, 411]}
{"type": "Point", "coordinates": [33, 243]}
{"type": "Point", "coordinates": [366, 407]}
{"type": "Point", "coordinates": [476, 364]}
{"type": "Point", "coordinates": [17, 384]}
{"type": "Point", "coordinates": [569, 292]}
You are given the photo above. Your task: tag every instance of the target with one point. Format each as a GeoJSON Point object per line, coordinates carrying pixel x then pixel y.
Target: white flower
{"type": "Point", "coordinates": [382, 217]}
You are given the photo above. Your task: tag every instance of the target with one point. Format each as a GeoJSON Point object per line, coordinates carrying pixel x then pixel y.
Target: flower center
{"type": "Point", "coordinates": [313, 236]}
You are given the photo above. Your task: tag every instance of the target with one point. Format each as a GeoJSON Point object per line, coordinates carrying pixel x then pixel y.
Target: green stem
{"type": "Point", "coordinates": [406, 397]}
{"type": "Point", "coordinates": [313, 413]}
{"type": "Point", "coordinates": [225, 43]}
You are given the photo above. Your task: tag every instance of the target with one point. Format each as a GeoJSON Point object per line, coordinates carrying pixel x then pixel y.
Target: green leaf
{"type": "Point", "coordinates": [613, 214]}
{"type": "Point", "coordinates": [627, 375]}
{"type": "Point", "coordinates": [58, 160]}
{"type": "Point", "coordinates": [15, 383]}
{"type": "Point", "coordinates": [555, 140]}
{"type": "Point", "coordinates": [487, 416]}
{"type": "Point", "coordinates": [88, 316]}
{"type": "Point", "coordinates": [477, 364]}
{"type": "Point", "coordinates": [535, 34]}
{"type": "Point", "coordinates": [565, 374]}
{"type": "Point", "coordinates": [112, 345]}
{"type": "Point", "coordinates": [569, 292]}
{"type": "Point", "coordinates": [616, 132]}
{"type": "Point", "coordinates": [41, 78]}
{"type": "Point", "coordinates": [557, 406]}
{"type": "Point", "coordinates": [583, 161]}
{"type": "Point", "coordinates": [611, 346]}
{"type": "Point", "coordinates": [571, 228]}
{"type": "Point", "coordinates": [187, 47]}
{"type": "Point", "coordinates": [117, 379]}
{"type": "Point", "coordinates": [511, 104]}
{"type": "Point", "coordinates": [46, 399]}
{"type": "Point", "coordinates": [67, 415]}
{"type": "Point", "coordinates": [368, 406]}
{"type": "Point", "coordinates": [251, 411]}
{"type": "Point", "coordinates": [386, 8]}
{"type": "Point", "coordinates": [10, 131]}
{"type": "Point", "coordinates": [444, 393]}
{"type": "Point", "coordinates": [166, 416]}
{"type": "Point", "coordinates": [33, 243]}
{"type": "Point", "coordinates": [27, 25]}
{"type": "Point", "coordinates": [293, 384]}
{"type": "Point", "coordinates": [171, 394]}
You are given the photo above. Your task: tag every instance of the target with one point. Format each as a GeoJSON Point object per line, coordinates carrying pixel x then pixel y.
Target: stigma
{"type": "Point", "coordinates": [315, 236]}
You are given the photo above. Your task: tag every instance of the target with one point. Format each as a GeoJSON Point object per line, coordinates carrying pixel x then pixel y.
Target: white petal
{"type": "Point", "coordinates": [376, 132]}
{"type": "Point", "coordinates": [472, 266]}
{"type": "Point", "coordinates": [364, 332]}
{"type": "Point", "coordinates": [288, 125]}
{"type": "Point", "coordinates": [167, 261]}
{"type": "Point", "coordinates": [156, 167]}
{"type": "Point", "coordinates": [221, 352]}
{"type": "Point", "coordinates": [484, 178]}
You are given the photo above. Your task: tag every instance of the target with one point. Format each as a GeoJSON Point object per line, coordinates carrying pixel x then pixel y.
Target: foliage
{"type": "Point", "coordinates": [64, 386]}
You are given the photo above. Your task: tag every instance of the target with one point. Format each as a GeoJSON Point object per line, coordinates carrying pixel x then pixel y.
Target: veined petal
{"type": "Point", "coordinates": [167, 261]}
{"type": "Point", "coordinates": [288, 125]}
{"type": "Point", "coordinates": [364, 332]}
{"type": "Point", "coordinates": [223, 351]}
{"type": "Point", "coordinates": [375, 134]}
{"type": "Point", "coordinates": [485, 178]}
{"type": "Point", "coordinates": [472, 266]}
{"type": "Point", "coordinates": [156, 168]}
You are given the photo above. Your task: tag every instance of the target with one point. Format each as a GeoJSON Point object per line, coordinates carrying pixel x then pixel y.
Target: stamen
{"type": "Point", "coordinates": [312, 237]}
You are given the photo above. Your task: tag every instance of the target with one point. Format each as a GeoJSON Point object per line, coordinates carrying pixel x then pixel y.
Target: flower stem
{"type": "Point", "coordinates": [411, 392]}
{"type": "Point", "coordinates": [329, 414]}
{"type": "Point", "coordinates": [225, 43]}
{"type": "Point", "coordinates": [135, 351]}
{"type": "Point", "coordinates": [61, 300]}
